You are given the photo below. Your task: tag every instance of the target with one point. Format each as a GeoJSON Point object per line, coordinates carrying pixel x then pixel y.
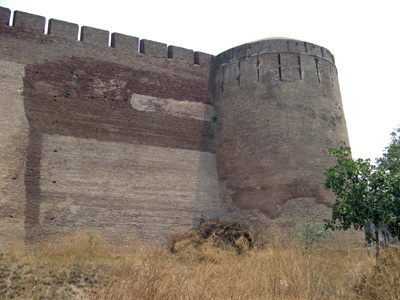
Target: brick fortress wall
{"type": "Point", "coordinates": [140, 140]}
{"type": "Point", "coordinates": [117, 138]}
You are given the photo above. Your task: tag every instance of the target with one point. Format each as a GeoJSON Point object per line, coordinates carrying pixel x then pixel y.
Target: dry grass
{"type": "Point", "coordinates": [85, 267]}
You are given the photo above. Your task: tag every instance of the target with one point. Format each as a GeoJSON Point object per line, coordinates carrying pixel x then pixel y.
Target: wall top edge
{"type": "Point", "coordinates": [271, 46]}
{"type": "Point", "coordinates": [98, 37]}
{"type": "Point", "coordinates": [102, 38]}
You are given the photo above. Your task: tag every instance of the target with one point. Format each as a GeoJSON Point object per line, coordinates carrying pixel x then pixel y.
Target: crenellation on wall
{"type": "Point", "coordinates": [280, 68]}
{"type": "Point", "coordinates": [63, 29]}
{"type": "Point", "coordinates": [296, 46]}
{"type": "Point", "coordinates": [181, 54]}
{"type": "Point", "coordinates": [241, 52]}
{"type": "Point", "coordinates": [203, 59]}
{"type": "Point", "coordinates": [328, 55]}
{"type": "Point", "coordinates": [33, 27]}
{"type": "Point", "coordinates": [313, 49]}
{"type": "Point", "coordinates": [29, 22]}
{"type": "Point", "coordinates": [277, 46]}
{"type": "Point", "coordinates": [126, 43]}
{"type": "Point", "coordinates": [95, 36]}
{"type": "Point", "coordinates": [260, 46]}
{"type": "Point", "coordinates": [153, 48]}
{"type": "Point", "coordinates": [224, 57]}
{"type": "Point", "coordinates": [272, 46]}
{"type": "Point", "coordinates": [5, 14]}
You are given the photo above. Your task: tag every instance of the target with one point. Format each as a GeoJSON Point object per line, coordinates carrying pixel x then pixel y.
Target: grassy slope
{"type": "Point", "coordinates": [84, 267]}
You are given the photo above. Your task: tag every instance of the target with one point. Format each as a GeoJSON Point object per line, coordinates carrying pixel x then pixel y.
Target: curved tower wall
{"type": "Point", "coordinates": [278, 112]}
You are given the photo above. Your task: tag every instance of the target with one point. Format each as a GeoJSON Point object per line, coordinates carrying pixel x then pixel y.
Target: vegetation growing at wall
{"type": "Point", "coordinates": [311, 234]}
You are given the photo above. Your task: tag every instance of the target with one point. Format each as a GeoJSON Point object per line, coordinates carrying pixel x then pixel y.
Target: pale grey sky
{"type": "Point", "coordinates": [362, 35]}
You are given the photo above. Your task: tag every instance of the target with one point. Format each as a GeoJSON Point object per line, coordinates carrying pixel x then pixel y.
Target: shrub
{"type": "Point", "coordinates": [311, 234]}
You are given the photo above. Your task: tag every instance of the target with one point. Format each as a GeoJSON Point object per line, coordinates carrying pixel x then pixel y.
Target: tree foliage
{"type": "Point", "coordinates": [366, 191]}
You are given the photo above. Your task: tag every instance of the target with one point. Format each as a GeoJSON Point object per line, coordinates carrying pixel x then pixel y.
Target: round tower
{"type": "Point", "coordinates": [278, 112]}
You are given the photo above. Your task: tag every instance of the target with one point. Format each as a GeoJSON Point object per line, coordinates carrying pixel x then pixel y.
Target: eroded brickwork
{"type": "Point", "coordinates": [13, 144]}
{"type": "Point", "coordinates": [279, 112]}
{"type": "Point", "coordinates": [102, 137]}
{"type": "Point", "coordinates": [134, 190]}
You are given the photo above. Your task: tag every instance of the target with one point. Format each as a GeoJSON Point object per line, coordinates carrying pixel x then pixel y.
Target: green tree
{"type": "Point", "coordinates": [365, 191]}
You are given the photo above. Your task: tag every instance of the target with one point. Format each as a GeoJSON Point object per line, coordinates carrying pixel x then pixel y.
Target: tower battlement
{"type": "Point", "coordinates": [270, 46]}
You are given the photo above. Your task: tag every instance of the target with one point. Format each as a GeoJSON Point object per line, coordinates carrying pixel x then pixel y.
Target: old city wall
{"type": "Point", "coordinates": [140, 140]}
{"type": "Point", "coordinates": [279, 112]}
{"type": "Point", "coordinates": [114, 136]}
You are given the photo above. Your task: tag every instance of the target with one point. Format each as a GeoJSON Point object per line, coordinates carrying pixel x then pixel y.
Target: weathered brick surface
{"type": "Point", "coordinates": [4, 16]}
{"type": "Point", "coordinates": [13, 144]}
{"type": "Point", "coordinates": [92, 99]}
{"type": "Point", "coordinates": [64, 29]}
{"type": "Point", "coordinates": [29, 22]}
{"type": "Point", "coordinates": [120, 137]}
{"type": "Point", "coordinates": [135, 111]}
{"type": "Point", "coordinates": [127, 190]}
{"type": "Point", "coordinates": [278, 113]}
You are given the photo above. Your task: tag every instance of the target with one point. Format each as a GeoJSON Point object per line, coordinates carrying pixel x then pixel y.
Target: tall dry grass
{"type": "Point", "coordinates": [83, 266]}
{"type": "Point", "coordinates": [277, 271]}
